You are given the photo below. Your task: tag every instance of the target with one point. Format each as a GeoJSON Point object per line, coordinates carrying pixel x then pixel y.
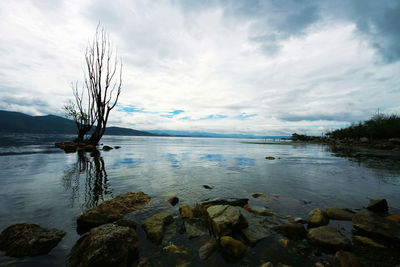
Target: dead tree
{"type": "Point", "coordinates": [103, 79]}
{"type": "Point", "coordinates": [82, 111]}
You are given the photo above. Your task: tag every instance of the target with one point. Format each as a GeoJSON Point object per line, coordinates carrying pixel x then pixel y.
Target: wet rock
{"type": "Point", "coordinates": [27, 240]}
{"type": "Point", "coordinates": [154, 226]}
{"type": "Point", "coordinates": [207, 187]}
{"type": "Point", "coordinates": [173, 201]}
{"type": "Point", "coordinates": [362, 240]}
{"type": "Point", "coordinates": [277, 200]}
{"type": "Point", "coordinates": [317, 217]}
{"type": "Point", "coordinates": [395, 141]}
{"type": "Point", "coordinates": [128, 223]}
{"type": "Point", "coordinates": [254, 233]}
{"type": "Point", "coordinates": [241, 202]}
{"type": "Point", "coordinates": [117, 147]}
{"type": "Point", "coordinates": [223, 219]}
{"type": "Point", "coordinates": [267, 264]}
{"type": "Point", "coordinates": [394, 217]}
{"type": "Point", "coordinates": [378, 205]}
{"type": "Point", "coordinates": [111, 210]}
{"type": "Point", "coordinates": [233, 247]}
{"type": "Point", "coordinates": [111, 245]}
{"type": "Point", "coordinates": [193, 229]}
{"type": "Point", "coordinates": [269, 158]}
{"type": "Point", "coordinates": [107, 148]}
{"type": "Point", "coordinates": [207, 249]}
{"type": "Point", "coordinates": [143, 262]}
{"type": "Point", "coordinates": [375, 225]}
{"type": "Point", "coordinates": [261, 211]}
{"type": "Point", "coordinates": [171, 248]}
{"type": "Point", "coordinates": [327, 237]}
{"type": "Point", "coordinates": [284, 242]}
{"type": "Point", "coordinates": [291, 230]}
{"type": "Point", "coordinates": [339, 214]}
{"type": "Point", "coordinates": [322, 264]}
{"type": "Point", "coordinates": [345, 259]}
{"type": "Point", "coordinates": [186, 212]}
{"type": "Point", "coordinates": [364, 140]}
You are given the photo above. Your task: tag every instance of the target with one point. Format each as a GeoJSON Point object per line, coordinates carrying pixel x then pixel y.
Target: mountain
{"type": "Point", "coordinates": [16, 122]}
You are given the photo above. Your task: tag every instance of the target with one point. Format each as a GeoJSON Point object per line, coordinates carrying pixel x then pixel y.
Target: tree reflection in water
{"type": "Point", "coordinates": [87, 177]}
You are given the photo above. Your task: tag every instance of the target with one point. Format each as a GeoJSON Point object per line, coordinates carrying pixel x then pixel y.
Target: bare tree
{"type": "Point", "coordinates": [82, 112]}
{"type": "Point", "coordinates": [103, 79]}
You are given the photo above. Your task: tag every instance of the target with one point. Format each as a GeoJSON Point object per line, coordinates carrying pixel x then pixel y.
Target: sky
{"type": "Point", "coordinates": [270, 67]}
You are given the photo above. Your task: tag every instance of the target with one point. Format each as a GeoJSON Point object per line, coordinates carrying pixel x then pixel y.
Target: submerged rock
{"type": "Point", "coordinates": [339, 214]}
{"type": "Point", "coordinates": [173, 201]}
{"type": "Point", "coordinates": [277, 200]}
{"type": "Point", "coordinates": [111, 210]}
{"type": "Point", "coordinates": [111, 245]}
{"type": "Point", "coordinates": [154, 226]}
{"type": "Point", "coordinates": [241, 202]}
{"type": "Point", "coordinates": [261, 211]}
{"type": "Point", "coordinates": [291, 230]}
{"type": "Point", "coordinates": [317, 217]}
{"type": "Point", "coordinates": [223, 219]}
{"type": "Point", "coordinates": [375, 225]}
{"type": "Point", "coordinates": [27, 240]}
{"type": "Point", "coordinates": [207, 187]}
{"type": "Point", "coordinates": [255, 233]}
{"type": "Point", "coordinates": [328, 237]}
{"type": "Point", "coordinates": [193, 229]}
{"type": "Point", "coordinates": [207, 249]}
{"type": "Point", "coordinates": [345, 259]}
{"type": "Point", "coordinates": [233, 247]}
{"type": "Point", "coordinates": [378, 205]}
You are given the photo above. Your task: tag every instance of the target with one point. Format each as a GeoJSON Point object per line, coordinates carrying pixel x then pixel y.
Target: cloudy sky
{"type": "Point", "coordinates": [253, 67]}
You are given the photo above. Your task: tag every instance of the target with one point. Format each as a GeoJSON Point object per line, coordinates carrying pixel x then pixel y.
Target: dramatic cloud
{"type": "Point", "coordinates": [254, 67]}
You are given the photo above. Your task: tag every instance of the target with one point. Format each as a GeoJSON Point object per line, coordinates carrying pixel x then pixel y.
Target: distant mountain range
{"type": "Point", "coordinates": [16, 122]}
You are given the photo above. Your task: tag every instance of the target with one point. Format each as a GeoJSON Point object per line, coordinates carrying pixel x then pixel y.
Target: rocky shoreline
{"type": "Point", "coordinates": [229, 227]}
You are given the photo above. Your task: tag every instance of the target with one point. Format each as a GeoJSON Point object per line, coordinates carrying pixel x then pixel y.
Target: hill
{"type": "Point", "coordinates": [17, 122]}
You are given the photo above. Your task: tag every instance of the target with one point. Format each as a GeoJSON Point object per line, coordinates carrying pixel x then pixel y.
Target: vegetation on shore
{"type": "Point", "coordinates": [380, 126]}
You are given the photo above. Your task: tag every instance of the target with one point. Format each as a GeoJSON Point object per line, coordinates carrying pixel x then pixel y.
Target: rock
{"type": "Point", "coordinates": [207, 249]}
{"type": "Point", "coordinates": [107, 148]}
{"type": "Point", "coordinates": [364, 140]}
{"type": "Point", "coordinates": [367, 242]}
{"type": "Point", "coordinates": [277, 200]}
{"type": "Point", "coordinates": [111, 245]}
{"type": "Point", "coordinates": [207, 187]}
{"type": "Point", "coordinates": [261, 211]}
{"type": "Point", "coordinates": [317, 217]}
{"type": "Point", "coordinates": [171, 248]}
{"type": "Point", "coordinates": [284, 242]}
{"type": "Point", "coordinates": [254, 233]}
{"type": "Point", "coordinates": [233, 247]}
{"type": "Point", "coordinates": [128, 223]}
{"type": "Point", "coordinates": [173, 201]}
{"type": "Point", "coordinates": [267, 264]}
{"type": "Point", "coordinates": [328, 237]}
{"type": "Point", "coordinates": [300, 220]}
{"type": "Point", "coordinates": [345, 259]}
{"type": "Point", "coordinates": [111, 210]}
{"type": "Point", "coordinates": [143, 262]}
{"type": "Point", "coordinates": [395, 141]}
{"type": "Point", "coordinates": [27, 240]}
{"type": "Point", "coordinates": [269, 158]}
{"type": "Point", "coordinates": [117, 147]}
{"type": "Point", "coordinates": [339, 214]}
{"type": "Point", "coordinates": [154, 226]}
{"type": "Point", "coordinates": [291, 230]}
{"type": "Point", "coordinates": [394, 217]}
{"type": "Point", "coordinates": [193, 229]}
{"type": "Point", "coordinates": [375, 225]}
{"type": "Point", "coordinates": [378, 205]}
{"type": "Point", "coordinates": [186, 212]}
{"type": "Point", "coordinates": [241, 202]}
{"type": "Point", "coordinates": [223, 219]}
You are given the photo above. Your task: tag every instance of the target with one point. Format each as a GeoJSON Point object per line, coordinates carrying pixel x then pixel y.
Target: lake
{"type": "Point", "coordinates": [41, 184]}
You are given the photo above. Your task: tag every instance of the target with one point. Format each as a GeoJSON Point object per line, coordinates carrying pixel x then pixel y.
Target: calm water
{"type": "Point", "coordinates": [41, 184]}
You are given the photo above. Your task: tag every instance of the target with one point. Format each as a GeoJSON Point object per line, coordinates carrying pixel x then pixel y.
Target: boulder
{"type": "Point", "coordinates": [223, 218]}
{"type": "Point", "coordinates": [362, 240]}
{"type": "Point", "coordinates": [186, 212]}
{"type": "Point", "coordinates": [27, 240]}
{"type": "Point", "coordinates": [111, 210]}
{"type": "Point", "coordinates": [173, 201]}
{"type": "Point", "coordinates": [111, 245]}
{"type": "Point", "coordinates": [254, 233]}
{"type": "Point", "coordinates": [375, 225]}
{"type": "Point", "coordinates": [317, 218]}
{"type": "Point", "coordinates": [339, 214]}
{"type": "Point", "coordinates": [128, 223]}
{"type": "Point", "coordinates": [154, 226]}
{"type": "Point", "coordinates": [232, 247]}
{"type": "Point", "coordinates": [378, 205]}
{"type": "Point", "coordinates": [207, 249]}
{"type": "Point", "coordinates": [328, 237]}
{"type": "Point", "coordinates": [291, 230]}
{"type": "Point", "coordinates": [345, 259]}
